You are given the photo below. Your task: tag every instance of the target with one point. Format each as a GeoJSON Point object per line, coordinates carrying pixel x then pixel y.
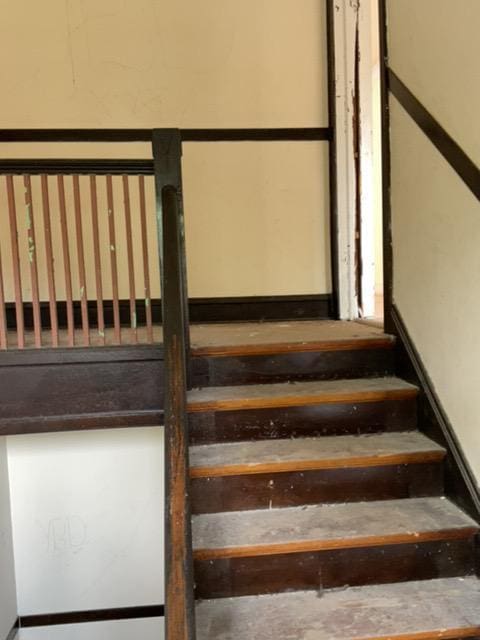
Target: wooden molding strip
{"type": "Point", "coordinates": [349, 344]}
{"type": "Point", "coordinates": [310, 465]}
{"type": "Point", "coordinates": [92, 615]}
{"type": "Point", "coordinates": [439, 634]}
{"type": "Point", "coordinates": [443, 141]}
{"type": "Point", "coordinates": [302, 546]}
{"type": "Point", "coordinates": [336, 397]}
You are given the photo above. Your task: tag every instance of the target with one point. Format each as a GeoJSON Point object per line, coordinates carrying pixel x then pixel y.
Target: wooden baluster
{"type": "Point", "coordinates": [32, 258]}
{"type": "Point", "coordinates": [3, 313]}
{"type": "Point", "coordinates": [17, 275]}
{"type": "Point", "coordinates": [113, 261]}
{"type": "Point", "coordinates": [146, 264]}
{"type": "Point", "coordinates": [81, 260]}
{"type": "Point", "coordinates": [97, 258]}
{"type": "Point", "coordinates": [131, 265]}
{"type": "Point", "coordinates": [50, 261]}
{"type": "Point", "coordinates": [66, 261]}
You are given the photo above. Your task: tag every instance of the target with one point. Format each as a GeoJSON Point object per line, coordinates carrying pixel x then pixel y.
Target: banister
{"type": "Point", "coordinates": [179, 602]}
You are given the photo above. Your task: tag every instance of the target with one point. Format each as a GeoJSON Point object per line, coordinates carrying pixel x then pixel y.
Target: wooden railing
{"type": "Point", "coordinates": [179, 604]}
{"type": "Point", "coordinates": [77, 247]}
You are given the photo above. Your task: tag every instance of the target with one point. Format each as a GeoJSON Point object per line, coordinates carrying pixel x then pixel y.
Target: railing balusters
{"type": "Point", "coordinates": [66, 261]}
{"type": "Point", "coordinates": [113, 261]}
{"type": "Point", "coordinates": [131, 266]}
{"type": "Point", "coordinates": [50, 262]}
{"type": "Point", "coordinates": [17, 276]}
{"type": "Point", "coordinates": [97, 259]}
{"type": "Point", "coordinates": [32, 258]}
{"type": "Point", "coordinates": [146, 264]}
{"type": "Point", "coordinates": [81, 260]}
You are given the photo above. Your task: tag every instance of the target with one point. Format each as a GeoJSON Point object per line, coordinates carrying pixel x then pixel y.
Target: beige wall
{"type": "Point", "coordinates": [435, 218]}
{"type": "Point", "coordinates": [433, 47]}
{"type": "Point", "coordinates": [216, 63]}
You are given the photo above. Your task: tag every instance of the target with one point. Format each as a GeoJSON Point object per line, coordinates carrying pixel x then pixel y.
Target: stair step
{"type": "Point", "coordinates": [302, 454]}
{"type": "Point", "coordinates": [264, 338]}
{"type": "Point", "coordinates": [421, 610]}
{"type": "Point", "coordinates": [324, 527]}
{"type": "Point", "coordinates": [299, 394]}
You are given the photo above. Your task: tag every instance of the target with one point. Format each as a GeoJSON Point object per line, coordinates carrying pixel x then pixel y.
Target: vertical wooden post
{"type": "Point", "coordinates": [50, 262]}
{"type": "Point", "coordinates": [146, 264]}
{"type": "Point", "coordinates": [113, 261]}
{"type": "Point", "coordinates": [17, 275]}
{"type": "Point", "coordinates": [32, 258]}
{"type": "Point", "coordinates": [3, 314]}
{"type": "Point", "coordinates": [66, 261]}
{"type": "Point", "coordinates": [81, 260]}
{"type": "Point", "coordinates": [179, 605]}
{"type": "Point", "coordinates": [97, 258]}
{"type": "Point", "coordinates": [130, 261]}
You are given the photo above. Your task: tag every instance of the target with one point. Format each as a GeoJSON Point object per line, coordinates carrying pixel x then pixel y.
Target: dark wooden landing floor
{"type": "Point", "coordinates": [241, 337]}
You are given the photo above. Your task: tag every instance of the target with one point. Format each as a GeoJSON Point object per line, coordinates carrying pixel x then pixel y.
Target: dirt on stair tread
{"type": "Point", "coordinates": [442, 608]}
{"type": "Point", "coordinates": [321, 526]}
{"type": "Point", "coordinates": [233, 337]}
{"type": "Point", "coordinates": [326, 390]}
{"type": "Point", "coordinates": [317, 452]}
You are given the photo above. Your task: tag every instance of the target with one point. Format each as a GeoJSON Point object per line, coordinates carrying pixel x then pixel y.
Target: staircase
{"type": "Point", "coordinates": [318, 506]}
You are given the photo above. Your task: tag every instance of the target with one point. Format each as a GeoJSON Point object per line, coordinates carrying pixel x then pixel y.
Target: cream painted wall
{"type": "Point", "coordinates": [8, 603]}
{"type": "Point", "coordinates": [218, 63]}
{"type": "Point", "coordinates": [436, 233]}
{"type": "Point", "coordinates": [433, 48]}
{"type": "Point", "coordinates": [87, 512]}
{"type": "Point", "coordinates": [215, 63]}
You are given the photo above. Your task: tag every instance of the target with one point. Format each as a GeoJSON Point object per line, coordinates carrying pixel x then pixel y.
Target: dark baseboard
{"type": "Point", "coordinates": [94, 615]}
{"type": "Point", "coordinates": [236, 309]}
{"type": "Point", "coordinates": [460, 483]}
{"type": "Point", "coordinates": [14, 630]}
{"type": "Point", "coordinates": [260, 308]}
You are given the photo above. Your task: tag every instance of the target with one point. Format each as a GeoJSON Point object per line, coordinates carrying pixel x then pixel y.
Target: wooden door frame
{"type": "Point", "coordinates": [353, 244]}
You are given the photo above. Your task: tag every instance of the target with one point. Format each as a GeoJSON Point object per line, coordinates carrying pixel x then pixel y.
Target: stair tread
{"type": "Point", "coordinates": [312, 453]}
{"type": "Point", "coordinates": [288, 394]}
{"type": "Point", "coordinates": [327, 526]}
{"type": "Point", "coordinates": [449, 605]}
{"type": "Point", "coordinates": [279, 337]}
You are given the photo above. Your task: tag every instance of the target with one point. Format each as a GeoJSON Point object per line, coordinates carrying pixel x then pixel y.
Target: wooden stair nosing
{"type": "Point", "coordinates": [438, 634]}
{"type": "Point", "coordinates": [314, 465]}
{"type": "Point", "coordinates": [351, 344]}
{"type": "Point", "coordinates": [458, 533]}
{"type": "Point", "coordinates": [337, 397]}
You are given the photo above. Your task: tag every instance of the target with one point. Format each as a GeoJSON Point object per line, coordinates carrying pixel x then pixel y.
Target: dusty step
{"type": "Point", "coordinates": [296, 394]}
{"type": "Point", "coordinates": [327, 546]}
{"type": "Point", "coordinates": [332, 526]}
{"type": "Point", "coordinates": [423, 610]}
{"type": "Point", "coordinates": [261, 338]}
{"type": "Point", "coordinates": [302, 454]}
{"type": "Point", "coordinates": [285, 473]}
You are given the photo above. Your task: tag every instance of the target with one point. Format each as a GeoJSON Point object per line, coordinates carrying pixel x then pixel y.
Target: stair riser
{"type": "Point", "coordinates": [323, 365]}
{"type": "Point", "coordinates": [303, 421]}
{"type": "Point", "coordinates": [331, 569]}
{"type": "Point", "coordinates": [288, 489]}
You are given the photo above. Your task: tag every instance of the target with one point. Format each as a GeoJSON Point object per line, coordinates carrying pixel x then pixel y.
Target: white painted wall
{"type": "Point", "coordinates": [87, 511]}
{"type": "Point", "coordinates": [147, 629]}
{"type": "Point", "coordinates": [8, 604]}
{"type": "Point", "coordinates": [435, 218]}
